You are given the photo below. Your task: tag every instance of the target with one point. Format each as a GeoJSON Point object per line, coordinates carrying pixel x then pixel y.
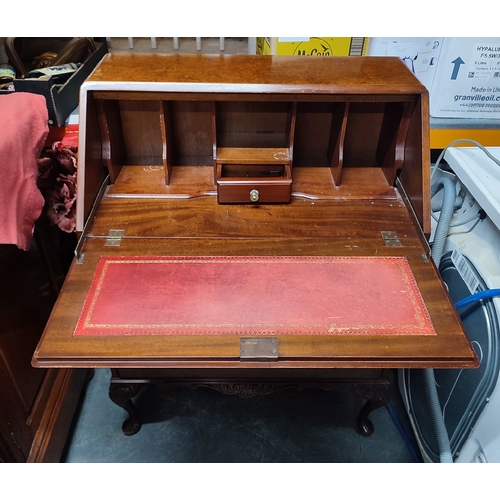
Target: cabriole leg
{"type": "Point", "coordinates": [378, 395]}
{"type": "Point", "coordinates": [122, 394]}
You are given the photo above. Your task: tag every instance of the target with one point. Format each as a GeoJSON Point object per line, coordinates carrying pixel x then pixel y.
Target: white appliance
{"type": "Point", "coordinates": [470, 399]}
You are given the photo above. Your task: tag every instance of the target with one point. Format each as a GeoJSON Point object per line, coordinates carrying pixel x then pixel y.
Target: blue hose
{"type": "Point", "coordinates": [486, 294]}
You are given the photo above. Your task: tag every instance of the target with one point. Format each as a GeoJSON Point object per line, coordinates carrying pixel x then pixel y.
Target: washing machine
{"type": "Point", "coordinates": [470, 263]}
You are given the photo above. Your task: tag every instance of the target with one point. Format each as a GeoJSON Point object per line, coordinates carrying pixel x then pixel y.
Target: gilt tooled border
{"type": "Point", "coordinates": [84, 327]}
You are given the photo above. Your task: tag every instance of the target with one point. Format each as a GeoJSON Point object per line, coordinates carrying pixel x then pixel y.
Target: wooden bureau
{"type": "Point", "coordinates": [196, 156]}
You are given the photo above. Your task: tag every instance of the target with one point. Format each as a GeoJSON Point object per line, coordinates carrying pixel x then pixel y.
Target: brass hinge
{"type": "Point", "coordinates": [114, 238]}
{"type": "Point", "coordinates": [252, 349]}
{"type": "Point", "coordinates": [391, 239]}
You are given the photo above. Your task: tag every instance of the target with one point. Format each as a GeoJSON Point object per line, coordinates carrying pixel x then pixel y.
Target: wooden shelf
{"type": "Point", "coordinates": [265, 156]}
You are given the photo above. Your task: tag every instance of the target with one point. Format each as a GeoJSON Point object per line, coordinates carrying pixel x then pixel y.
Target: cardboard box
{"type": "Point", "coordinates": [62, 99]}
{"type": "Point", "coordinates": [467, 81]}
{"type": "Point", "coordinates": [312, 46]}
{"type": "Point", "coordinates": [421, 55]}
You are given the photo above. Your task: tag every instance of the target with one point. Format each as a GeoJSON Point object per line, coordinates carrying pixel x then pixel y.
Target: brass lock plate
{"type": "Point", "coordinates": [258, 349]}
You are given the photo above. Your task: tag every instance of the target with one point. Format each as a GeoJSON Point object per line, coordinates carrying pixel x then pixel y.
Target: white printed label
{"type": "Point", "coordinates": [465, 271]}
{"type": "Point", "coordinates": [485, 62]}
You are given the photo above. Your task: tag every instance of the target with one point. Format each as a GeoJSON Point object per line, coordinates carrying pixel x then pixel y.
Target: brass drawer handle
{"type": "Point", "coordinates": [254, 195]}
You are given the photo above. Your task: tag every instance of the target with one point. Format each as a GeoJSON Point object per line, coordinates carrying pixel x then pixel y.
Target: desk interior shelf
{"type": "Point", "coordinates": [257, 147]}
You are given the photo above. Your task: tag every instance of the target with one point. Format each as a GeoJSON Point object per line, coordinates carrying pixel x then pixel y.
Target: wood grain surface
{"type": "Point", "coordinates": [202, 227]}
{"type": "Point", "coordinates": [355, 128]}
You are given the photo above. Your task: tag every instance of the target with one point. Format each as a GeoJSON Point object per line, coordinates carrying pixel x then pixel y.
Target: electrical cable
{"type": "Point", "coordinates": [480, 146]}
{"type": "Point", "coordinates": [457, 224]}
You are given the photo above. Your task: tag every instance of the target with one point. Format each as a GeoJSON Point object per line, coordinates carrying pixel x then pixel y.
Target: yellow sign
{"type": "Point", "coordinates": [313, 46]}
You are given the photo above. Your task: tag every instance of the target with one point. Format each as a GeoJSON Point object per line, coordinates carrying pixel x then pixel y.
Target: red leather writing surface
{"type": "Point", "coordinates": [253, 295]}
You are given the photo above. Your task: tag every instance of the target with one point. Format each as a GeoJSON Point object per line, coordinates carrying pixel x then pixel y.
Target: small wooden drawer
{"type": "Point", "coordinates": [255, 191]}
{"type": "Point", "coordinates": [247, 175]}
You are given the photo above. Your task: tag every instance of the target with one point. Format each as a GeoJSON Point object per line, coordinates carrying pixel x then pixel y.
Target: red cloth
{"type": "Point", "coordinates": [24, 127]}
{"type": "Point", "coordinates": [57, 183]}
{"type": "Point", "coordinates": [254, 296]}
{"type": "Point", "coordinates": [71, 136]}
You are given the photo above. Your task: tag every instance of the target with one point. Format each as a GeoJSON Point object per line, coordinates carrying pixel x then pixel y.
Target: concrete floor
{"type": "Point", "coordinates": [204, 426]}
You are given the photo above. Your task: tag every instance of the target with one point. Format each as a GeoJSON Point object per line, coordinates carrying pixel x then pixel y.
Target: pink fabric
{"type": "Point", "coordinates": [24, 128]}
